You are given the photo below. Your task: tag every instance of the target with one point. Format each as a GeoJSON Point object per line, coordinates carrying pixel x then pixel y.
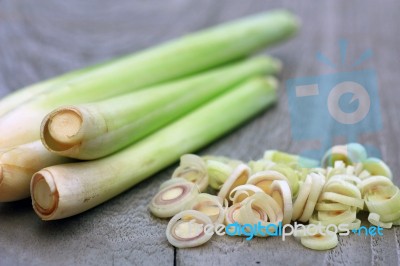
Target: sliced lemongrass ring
{"type": "Point", "coordinates": [374, 219]}
{"type": "Point", "coordinates": [282, 187]}
{"type": "Point", "coordinates": [376, 166]}
{"type": "Point", "coordinates": [209, 205]}
{"type": "Point", "coordinates": [186, 229]}
{"type": "Point", "coordinates": [218, 173]}
{"type": "Point", "coordinates": [232, 213]}
{"type": "Point", "coordinates": [271, 213]}
{"type": "Point", "coordinates": [193, 169]}
{"type": "Point", "coordinates": [352, 179]}
{"type": "Point", "coordinates": [238, 177]}
{"type": "Point", "coordinates": [346, 200]}
{"type": "Point", "coordinates": [371, 184]}
{"type": "Point", "coordinates": [342, 187]}
{"type": "Point", "coordinates": [318, 182]}
{"type": "Point", "coordinates": [239, 193]}
{"type": "Point", "coordinates": [173, 199]}
{"type": "Point", "coordinates": [384, 201]}
{"type": "Point", "coordinates": [302, 197]}
{"type": "Point", "coordinates": [264, 179]}
{"type": "Point", "coordinates": [336, 153]}
{"type": "Point", "coordinates": [320, 242]}
{"type": "Point", "coordinates": [337, 217]}
{"type": "Point", "coordinates": [322, 206]}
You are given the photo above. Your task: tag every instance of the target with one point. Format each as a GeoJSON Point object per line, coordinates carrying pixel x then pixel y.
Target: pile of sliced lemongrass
{"type": "Point", "coordinates": [279, 188]}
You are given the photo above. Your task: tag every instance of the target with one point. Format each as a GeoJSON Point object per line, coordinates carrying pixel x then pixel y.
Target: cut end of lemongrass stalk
{"type": "Point", "coordinates": [1, 175]}
{"type": "Point", "coordinates": [44, 194]}
{"type": "Point", "coordinates": [61, 129]}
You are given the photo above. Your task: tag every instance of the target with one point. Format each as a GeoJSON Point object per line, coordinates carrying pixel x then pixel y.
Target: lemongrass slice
{"type": "Point", "coordinates": [173, 199]}
{"type": "Point", "coordinates": [193, 169]}
{"type": "Point", "coordinates": [302, 197]}
{"type": "Point", "coordinates": [370, 184]}
{"type": "Point", "coordinates": [335, 197]}
{"type": "Point", "coordinates": [285, 195]}
{"type": "Point", "coordinates": [374, 219]}
{"type": "Point", "coordinates": [239, 193]}
{"type": "Point", "coordinates": [264, 179]}
{"type": "Point", "coordinates": [318, 182]}
{"type": "Point", "coordinates": [238, 177]}
{"type": "Point", "coordinates": [322, 206]}
{"type": "Point", "coordinates": [218, 173]}
{"type": "Point", "coordinates": [291, 176]}
{"type": "Point", "coordinates": [260, 208]}
{"type": "Point", "coordinates": [352, 179]}
{"type": "Point", "coordinates": [342, 187]}
{"type": "Point", "coordinates": [209, 205]}
{"type": "Point", "coordinates": [334, 217]}
{"type": "Point", "coordinates": [186, 229]}
{"type": "Point", "coordinates": [376, 166]}
{"type": "Point", "coordinates": [231, 215]}
{"type": "Point", "coordinates": [349, 154]}
{"type": "Point", "coordinates": [337, 217]}
{"type": "Point", "coordinates": [386, 202]}
{"type": "Point", "coordinates": [320, 242]}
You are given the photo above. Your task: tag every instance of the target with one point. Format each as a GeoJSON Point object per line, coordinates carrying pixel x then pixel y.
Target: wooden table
{"type": "Point", "coordinates": [40, 39]}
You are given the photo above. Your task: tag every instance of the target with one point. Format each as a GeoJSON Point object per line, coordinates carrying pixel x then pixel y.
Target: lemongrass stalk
{"type": "Point", "coordinates": [64, 190]}
{"type": "Point", "coordinates": [94, 130]}
{"type": "Point", "coordinates": [21, 96]}
{"type": "Point", "coordinates": [18, 164]}
{"type": "Point", "coordinates": [185, 56]}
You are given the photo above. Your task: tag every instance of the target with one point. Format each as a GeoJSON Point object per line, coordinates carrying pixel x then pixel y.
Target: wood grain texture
{"type": "Point", "coordinates": [40, 39]}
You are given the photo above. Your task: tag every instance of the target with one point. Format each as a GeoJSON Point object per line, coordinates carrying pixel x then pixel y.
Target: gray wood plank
{"type": "Point", "coordinates": [40, 39]}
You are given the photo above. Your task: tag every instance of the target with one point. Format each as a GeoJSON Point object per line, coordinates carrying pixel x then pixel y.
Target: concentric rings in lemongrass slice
{"type": "Point", "coordinates": [238, 177]}
{"type": "Point", "coordinates": [186, 229]}
{"type": "Point", "coordinates": [193, 169]}
{"type": "Point", "coordinates": [172, 199]}
{"type": "Point", "coordinates": [261, 208]}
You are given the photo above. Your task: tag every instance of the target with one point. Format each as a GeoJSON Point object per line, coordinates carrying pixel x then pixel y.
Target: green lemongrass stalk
{"type": "Point", "coordinates": [18, 164]}
{"type": "Point", "coordinates": [185, 56]}
{"type": "Point", "coordinates": [64, 190]}
{"type": "Point", "coordinates": [21, 96]}
{"type": "Point", "coordinates": [91, 131]}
